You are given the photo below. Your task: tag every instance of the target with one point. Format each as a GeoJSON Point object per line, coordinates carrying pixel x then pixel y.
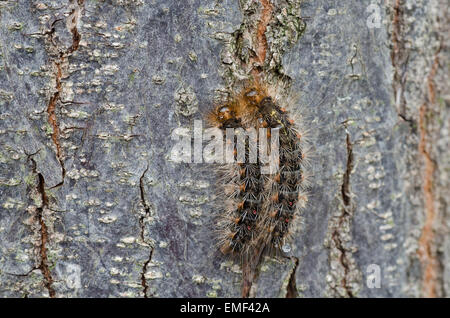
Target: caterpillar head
{"type": "Point", "coordinates": [224, 116]}
{"type": "Point", "coordinates": [266, 105]}
{"type": "Point", "coordinates": [225, 113]}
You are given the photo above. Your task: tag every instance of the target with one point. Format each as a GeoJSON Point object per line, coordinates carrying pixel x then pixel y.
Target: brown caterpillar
{"type": "Point", "coordinates": [242, 187]}
{"type": "Point", "coordinates": [259, 207]}
{"type": "Point", "coordinates": [284, 190]}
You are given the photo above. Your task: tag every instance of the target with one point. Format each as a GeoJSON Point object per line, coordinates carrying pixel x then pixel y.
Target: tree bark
{"type": "Point", "coordinates": [91, 91]}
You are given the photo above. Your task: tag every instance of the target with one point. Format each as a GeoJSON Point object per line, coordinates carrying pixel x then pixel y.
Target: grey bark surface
{"type": "Point", "coordinates": [90, 91]}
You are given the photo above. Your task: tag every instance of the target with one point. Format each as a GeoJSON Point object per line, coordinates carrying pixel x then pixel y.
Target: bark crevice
{"type": "Point", "coordinates": [427, 246]}
{"type": "Point", "coordinates": [43, 231]}
{"type": "Point", "coordinates": [343, 279]}
{"type": "Point", "coordinates": [55, 99]}
{"type": "Point", "coordinates": [147, 212]}
{"type": "Point", "coordinates": [291, 289]}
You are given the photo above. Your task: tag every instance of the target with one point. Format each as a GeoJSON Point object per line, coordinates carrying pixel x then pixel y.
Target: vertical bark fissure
{"type": "Point", "coordinates": [43, 251]}
{"type": "Point", "coordinates": [261, 40]}
{"type": "Point", "coordinates": [344, 220]}
{"type": "Point", "coordinates": [144, 282]}
{"type": "Point", "coordinates": [291, 289]}
{"type": "Point", "coordinates": [52, 118]}
{"type": "Point", "coordinates": [146, 206]}
{"type": "Point", "coordinates": [56, 97]}
{"type": "Point", "coordinates": [426, 252]}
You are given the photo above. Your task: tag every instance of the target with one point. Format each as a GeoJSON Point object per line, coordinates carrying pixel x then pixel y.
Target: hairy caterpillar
{"type": "Point", "coordinates": [259, 208]}
{"type": "Point", "coordinates": [284, 190]}
{"type": "Point", "coordinates": [241, 186]}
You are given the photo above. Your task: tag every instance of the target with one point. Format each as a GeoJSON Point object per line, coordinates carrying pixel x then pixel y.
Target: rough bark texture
{"type": "Point", "coordinates": [90, 91]}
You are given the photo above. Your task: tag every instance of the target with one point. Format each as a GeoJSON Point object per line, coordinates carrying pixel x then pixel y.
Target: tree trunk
{"type": "Point", "coordinates": [91, 90]}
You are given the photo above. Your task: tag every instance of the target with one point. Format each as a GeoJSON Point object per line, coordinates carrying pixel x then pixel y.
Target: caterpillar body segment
{"type": "Point", "coordinates": [241, 183]}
